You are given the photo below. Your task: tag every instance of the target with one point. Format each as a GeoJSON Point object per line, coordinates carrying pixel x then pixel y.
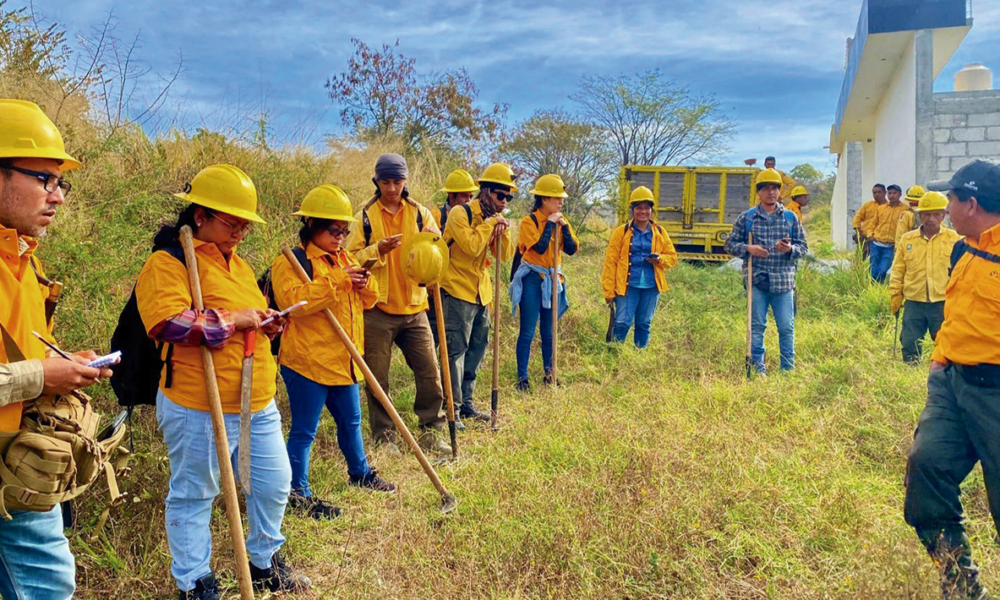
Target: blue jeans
{"type": "Point", "coordinates": [306, 400]}
{"type": "Point", "coordinates": [881, 261]}
{"type": "Point", "coordinates": [35, 561]}
{"type": "Point", "coordinates": [531, 310]}
{"type": "Point", "coordinates": [194, 484]}
{"type": "Point", "coordinates": [638, 304]}
{"type": "Point", "coordinates": [784, 317]}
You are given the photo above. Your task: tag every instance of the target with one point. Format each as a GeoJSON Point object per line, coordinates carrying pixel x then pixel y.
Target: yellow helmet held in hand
{"type": "Point", "coordinates": [224, 188]}
{"type": "Point", "coordinates": [768, 176]}
{"type": "Point", "coordinates": [932, 201]}
{"type": "Point", "coordinates": [326, 202]}
{"type": "Point", "coordinates": [915, 193]}
{"type": "Point", "coordinates": [500, 173]}
{"type": "Point", "coordinates": [26, 132]}
{"type": "Point", "coordinates": [425, 258]}
{"type": "Point", "coordinates": [550, 186]}
{"type": "Point", "coordinates": [799, 191]}
{"type": "Point", "coordinates": [641, 194]}
{"type": "Point", "coordinates": [459, 181]}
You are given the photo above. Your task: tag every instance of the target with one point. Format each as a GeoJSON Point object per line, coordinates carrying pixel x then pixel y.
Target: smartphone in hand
{"type": "Point", "coordinates": [368, 264]}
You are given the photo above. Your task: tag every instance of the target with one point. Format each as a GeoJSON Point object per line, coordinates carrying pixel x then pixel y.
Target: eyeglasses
{"type": "Point", "coordinates": [338, 231]}
{"type": "Point", "coordinates": [49, 181]}
{"type": "Point", "coordinates": [236, 228]}
{"type": "Point", "coordinates": [503, 196]}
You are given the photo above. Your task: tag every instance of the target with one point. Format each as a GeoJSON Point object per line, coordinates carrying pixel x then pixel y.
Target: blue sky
{"type": "Point", "coordinates": [775, 65]}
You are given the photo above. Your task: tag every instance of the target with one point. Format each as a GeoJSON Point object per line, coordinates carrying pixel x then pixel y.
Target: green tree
{"type": "Point", "coordinates": [806, 173]}
{"type": "Point", "coordinates": [553, 141]}
{"type": "Point", "coordinates": [652, 120]}
{"type": "Point", "coordinates": [381, 94]}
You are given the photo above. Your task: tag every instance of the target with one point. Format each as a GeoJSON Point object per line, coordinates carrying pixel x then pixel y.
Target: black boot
{"type": "Point", "coordinates": [206, 588]}
{"type": "Point", "coordinates": [313, 507]}
{"type": "Point", "coordinates": [279, 577]}
{"type": "Point", "coordinates": [950, 551]}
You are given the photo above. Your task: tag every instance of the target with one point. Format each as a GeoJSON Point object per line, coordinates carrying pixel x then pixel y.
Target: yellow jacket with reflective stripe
{"type": "Point", "coordinates": [468, 274]}
{"type": "Point", "coordinates": [163, 290]}
{"type": "Point", "coordinates": [970, 334]}
{"type": "Point", "coordinates": [920, 266]}
{"type": "Point", "coordinates": [614, 274]}
{"type": "Point", "coordinates": [886, 219]}
{"type": "Point", "coordinates": [309, 345]}
{"type": "Point", "coordinates": [22, 310]}
{"type": "Point", "coordinates": [355, 244]}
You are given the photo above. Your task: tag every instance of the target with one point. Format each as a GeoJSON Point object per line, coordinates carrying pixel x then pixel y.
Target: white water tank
{"type": "Point", "coordinates": [973, 77]}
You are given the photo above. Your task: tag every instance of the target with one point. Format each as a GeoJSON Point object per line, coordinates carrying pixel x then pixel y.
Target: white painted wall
{"type": "Point", "coordinates": [840, 218]}
{"type": "Point", "coordinates": [895, 138]}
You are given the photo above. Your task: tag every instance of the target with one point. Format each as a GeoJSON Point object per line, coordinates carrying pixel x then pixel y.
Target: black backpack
{"type": "Point", "coordinates": [136, 378]}
{"type": "Point", "coordinates": [264, 283]}
{"type": "Point", "coordinates": [961, 247]}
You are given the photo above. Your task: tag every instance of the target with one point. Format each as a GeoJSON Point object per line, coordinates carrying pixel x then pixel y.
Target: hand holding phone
{"type": "Point", "coordinates": [369, 264]}
{"type": "Point", "coordinates": [283, 313]}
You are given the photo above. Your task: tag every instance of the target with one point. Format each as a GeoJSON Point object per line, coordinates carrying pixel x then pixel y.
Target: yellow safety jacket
{"type": "Point", "coordinates": [309, 345]}
{"type": "Point", "coordinates": [163, 290]}
{"type": "Point", "coordinates": [614, 274]}
{"type": "Point", "coordinates": [22, 310]}
{"type": "Point", "coordinates": [920, 266]}
{"type": "Point", "coordinates": [468, 275]}
{"type": "Point", "coordinates": [886, 219]}
{"type": "Point", "coordinates": [414, 297]}
{"type": "Point", "coordinates": [907, 223]}
{"type": "Point", "coordinates": [793, 206]}
{"type": "Point", "coordinates": [528, 235]}
{"type": "Point", "coordinates": [864, 219]}
{"type": "Point", "coordinates": [970, 334]}
{"type": "Point", "coordinates": [787, 185]}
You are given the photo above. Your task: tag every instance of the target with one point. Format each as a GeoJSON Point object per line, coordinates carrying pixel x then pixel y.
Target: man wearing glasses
{"type": "Point", "coordinates": [35, 561]}
{"type": "Point", "coordinates": [472, 232]}
{"type": "Point", "coordinates": [960, 421]}
{"type": "Point", "coordinates": [399, 317]}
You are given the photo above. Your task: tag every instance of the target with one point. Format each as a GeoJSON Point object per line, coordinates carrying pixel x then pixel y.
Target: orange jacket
{"type": "Point", "coordinates": [614, 274]}
{"type": "Point", "coordinates": [309, 345]}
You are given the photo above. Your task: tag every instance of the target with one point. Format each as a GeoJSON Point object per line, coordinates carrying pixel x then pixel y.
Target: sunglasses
{"type": "Point", "coordinates": [49, 181]}
{"type": "Point", "coordinates": [338, 231]}
{"type": "Point", "coordinates": [502, 196]}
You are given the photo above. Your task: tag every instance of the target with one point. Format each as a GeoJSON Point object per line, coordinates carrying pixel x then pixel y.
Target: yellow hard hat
{"type": "Point", "coordinates": [425, 258]}
{"type": "Point", "coordinates": [224, 188]}
{"type": "Point", "coordinates": [641, 194]}
{"type": "Point", "coordinates": [932, 201]}
{"type": "Point", "coordinates": [499, 173]}
{"type": "Point", "coordinates": [915, 193]}
{"type": "Point", "coordinates": [25, 132]}
{"type": "Point", "coordinates": [550, 186]}
{"type": "Point", "coordinates": [459, 181]}
{"type": "Point", "coordinates": [799, 191]}
{"type": "Point", "coordinates": [768, 176]}
{"type": "Point", "coordinates": [326, 202]}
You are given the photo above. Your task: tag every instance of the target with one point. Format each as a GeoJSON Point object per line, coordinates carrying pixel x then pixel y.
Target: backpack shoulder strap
{"type": "Point", "coordinates": [534, 219]}
{"type": "Point", "coordinates": [300, 254]}
{"type": "Point", "coordinates": [366, 226]}
{"type": "Point", "coordinates": [420, 219]}
{"type": "Point", "coordinates": [444, 216]}
{"type": "Point", "coordinates": [176, 251]}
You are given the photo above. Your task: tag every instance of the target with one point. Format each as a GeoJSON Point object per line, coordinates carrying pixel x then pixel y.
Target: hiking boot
{"type": "Point", "coordinates": [477, 416]}
{"type": "Point", "coordinates": [205, 588]}
{"type": "Point", "coordinates": [523, 385]}
{"type": "Point", "coordinates": [387, 447]}
{"type": "Point", "coordinates": [313, 507]}
{"type": "Point", "coordinates": [373, 482]}
{"type": "Point", "coordinates": [431, 441]}
{"type": "Point", "coordinates": [279, 577]}
{"type": "Point", "coordinates": [952, 555]}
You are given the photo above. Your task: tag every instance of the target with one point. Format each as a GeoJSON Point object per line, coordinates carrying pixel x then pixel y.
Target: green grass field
{"type": "Point", "coordinates": [654, 474]}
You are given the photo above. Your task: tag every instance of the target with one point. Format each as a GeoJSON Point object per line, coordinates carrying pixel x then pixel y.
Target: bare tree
{"type": "Point", "coordinates": [652, 120]}
{"type": "Point", "coordinates": [554, 141]}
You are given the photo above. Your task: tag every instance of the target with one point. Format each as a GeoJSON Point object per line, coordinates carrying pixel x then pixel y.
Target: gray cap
{"type": "Point", "coordinates": [979, 178]}
{"type": "Point", "coordinates": [391, 166]}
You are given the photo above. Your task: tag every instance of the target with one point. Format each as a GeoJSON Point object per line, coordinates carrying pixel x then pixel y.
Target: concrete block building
{"type": "Point", "coordinates": [890, 126]}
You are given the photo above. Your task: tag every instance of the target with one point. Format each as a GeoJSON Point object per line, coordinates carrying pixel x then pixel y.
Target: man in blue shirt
{"type": "Point", "coordinates": [777, 244]}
